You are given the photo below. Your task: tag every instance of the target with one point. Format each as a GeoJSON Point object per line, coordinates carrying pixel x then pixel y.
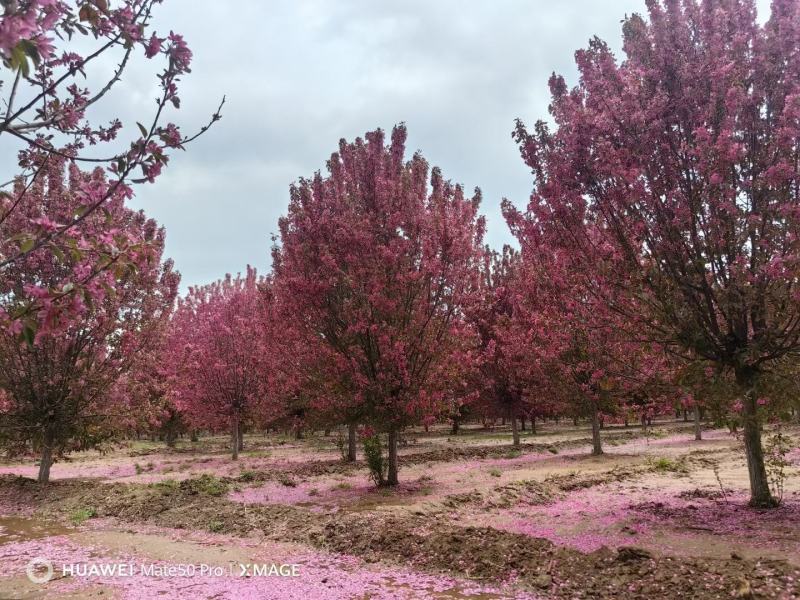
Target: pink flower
{"type": "Point", "coordinates": [153, 47]}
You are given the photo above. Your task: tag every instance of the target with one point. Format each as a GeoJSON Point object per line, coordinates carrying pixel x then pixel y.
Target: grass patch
{"type": "Point", "coordinates": [205, 485]}
{"type": "Point", "coordinates": [287, 481]}
{"type": "Point", "coordinates": [80, 515]}
{"type": "Point", "coordinates": [247, 475]}
{"type": "Point", "coordinates": [667, 465]}
{"type": "Point", "coordinates": [495, 472]}
{"type": "Point", "coordinates": [166, 487]}
{"type": "Point", "coordinates": [216, 526]}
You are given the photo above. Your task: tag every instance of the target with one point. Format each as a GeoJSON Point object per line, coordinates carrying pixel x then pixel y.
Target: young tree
{"type": "Point", "coordinates": [377, 265]}
{"type": "Point", "coordinates": [59, 384]}
{"type": "Point", "coordinates": [672, 181]}
{"type": "Point", "coordinates": [568, 344]}
{"type": "Point", "coordinates": [61, 61]}
{"type": "Point", "coordinates": [218, 354]}
{"type": "Point", "coordinates": [498, 376]}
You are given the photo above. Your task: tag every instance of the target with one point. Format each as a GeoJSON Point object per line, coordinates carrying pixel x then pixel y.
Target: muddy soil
{"type": "Point", "coordinates": [475, 515]}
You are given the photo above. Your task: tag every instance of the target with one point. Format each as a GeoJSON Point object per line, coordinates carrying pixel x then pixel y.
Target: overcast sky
{"type": "Point", "coordinates": [301, 74]}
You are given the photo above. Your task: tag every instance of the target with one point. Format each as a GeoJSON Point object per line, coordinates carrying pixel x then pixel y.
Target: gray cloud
{"type": "Point", "coordinates": [300, 75]}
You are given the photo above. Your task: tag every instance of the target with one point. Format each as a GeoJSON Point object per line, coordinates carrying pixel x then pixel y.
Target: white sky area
{"type": "Point", "coordinates": [301, 74]}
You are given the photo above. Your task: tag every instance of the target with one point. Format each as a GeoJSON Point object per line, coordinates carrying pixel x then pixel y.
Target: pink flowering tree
{"type": "Point", "coordinates": [574, 349]}
{"type": "Point", "coordinates": [671, 180]}
{"type": "Point", "coordinates": [60, 385]}
{"type": "Point", "coordinates": [376, 259]}
{"type": "Point", "coordinates": [49, 50]}
{"type": "Point", "coordinates": [218, 354]}
{"type": "Point", "coordinates": [499, 378]}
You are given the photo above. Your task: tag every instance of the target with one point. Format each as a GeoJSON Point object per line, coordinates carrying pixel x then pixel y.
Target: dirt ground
{"type": "Point", "coordinates": [658, 516]}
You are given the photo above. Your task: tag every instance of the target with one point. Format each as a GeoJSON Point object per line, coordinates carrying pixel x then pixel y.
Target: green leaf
{"type": "Point", "coordinates": [58, 252]}
{"type": "Point", "coordinates": [28, 334]}
{"type": "Point", "coordinates": [143, 129]}
{"type": "Point", "coordinates": [27, 245]}
{"type": "Point", "coordinates": [19, 60]}
{"type": "Point", "coordinates": [30, 49]}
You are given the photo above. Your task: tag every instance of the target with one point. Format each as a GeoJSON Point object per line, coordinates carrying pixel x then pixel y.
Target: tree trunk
{"type": "Point", "coordinates": [170, 439]}
{"type": "Point", "coordinates": [760, 495]}
{"type": "Point", "coordinates": [235, 435]}
{"type": "Point", "coordinates": [46, 459]}
{"type": "Point", "coordinates": [241, 437]}
{"type": "Point", "coordinates": [685, 416]}
{"type": "Point", "coordinates": [597, 444]}
{"type": "Point", "coordinates": [626, 420]}
{"type": "Point", "coordinates": [698, 432]}
{"type": "Point", "coordinates": [351, 442]}
{"type": "Point", "coordinates": [522, 423]}
{"type": "Point", "coordinates": [391, 475]}
{"type": "Point", "coordinates": [574, 421]}
{"type": "Point", "coordinates": [193, 435]}
{"type": "Point", "coordinates": [514, 431]}
{"type": "Point", "coordinates": [533, 424]}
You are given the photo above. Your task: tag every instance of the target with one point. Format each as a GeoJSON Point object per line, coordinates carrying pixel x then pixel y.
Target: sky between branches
{"type": "Point", "coordinates": [299, 75]}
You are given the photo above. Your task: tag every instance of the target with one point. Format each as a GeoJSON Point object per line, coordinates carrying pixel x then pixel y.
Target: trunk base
{"type": "Point", "coordinates": [391, 474]}
{"type": "Point", "coordinates": [351, 442]}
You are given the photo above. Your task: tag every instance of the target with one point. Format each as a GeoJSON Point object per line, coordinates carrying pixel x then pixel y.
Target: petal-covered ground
{"type": "Point", "coordinates": [203, 568]}
{"type": "Point", "coordinates": [472, 517]}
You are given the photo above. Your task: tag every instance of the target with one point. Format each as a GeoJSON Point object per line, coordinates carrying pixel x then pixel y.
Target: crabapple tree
{"type": "Point", "coordinates": [54, 77]}
{"type": "Point", "coordinates": [672, 180]}
{"type": "Point", "coordinates": [59, 385]}
{"type": "Point", "coordinates": [218, 353]}
{"type": "Point", "coordinates": [376, 259]}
